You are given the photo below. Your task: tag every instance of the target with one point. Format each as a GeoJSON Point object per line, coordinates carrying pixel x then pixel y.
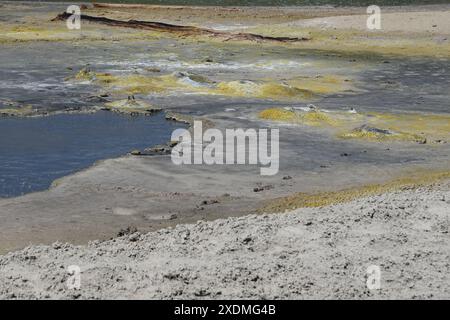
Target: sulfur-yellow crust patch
{"type": "Point", "coordinates": [263, 90]}
{"type": "Point", "coordinates": [407, 126]}
{"type": "Point", "coordinates": [131, 106]}
{"type": "Point", "coordinates": [138, 83]}
{"type": "Point", "coordinates": [359, 42]}
{"type": "Point", "coordinates": [49, 31]}
{"type": "Point", "coordinates": [297, 88]}
{"type": "Point", "coordinates": [325, 84]}
{"type": "Point", "coordinates": [310, 118]}
{"type": "Point", "coordinates": [278, 114]}
{"type": "Point", "coordinates": [412, 127]}
{"type": "Point", "coordinates": [305, 200]}
{"type": "Point", "coordinates": [304, 88]}
{"type": "Point", "coordinates": [373, 134]}
{"type": "Point", "coordinates": [17, 111]}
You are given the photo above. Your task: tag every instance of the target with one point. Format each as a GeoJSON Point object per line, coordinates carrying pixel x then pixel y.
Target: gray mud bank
{"type": "Point", "coordinates": [308, 253]}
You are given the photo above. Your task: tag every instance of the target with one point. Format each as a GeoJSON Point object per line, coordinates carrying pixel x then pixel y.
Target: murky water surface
{"type": "Point", "coordinates": [36, 151]}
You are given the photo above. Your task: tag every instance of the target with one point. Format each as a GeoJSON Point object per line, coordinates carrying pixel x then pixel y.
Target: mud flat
{"type": "Point", "coordinates": [380, 110]}
{"type": "Point", "coordinates": [308, 253]}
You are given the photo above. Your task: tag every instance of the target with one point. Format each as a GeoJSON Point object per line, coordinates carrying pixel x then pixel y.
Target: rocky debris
{"type": "Point", "coordinates": [131, 106]}
{"type": "Point", "coordinates": [135, 153]}
{"type": "Point", "coordinates": [173, 116]}
{"type": "Point", "coordinates": [134, 237]}
{"type": "Point", "coordinates": [262, 188]}
{"type": "Point", "coordinates": [152, 69]}
{"type": "Point", "coordinates": [97, 99]}
{"type": "Point", "coordinates": [159, 149]}
{"type": "Point", "coordinates": [127, 231]}
{"type": "Point", "coordinates": [209, 202]}
{"type": "Point", "coordinates": [366, 128]}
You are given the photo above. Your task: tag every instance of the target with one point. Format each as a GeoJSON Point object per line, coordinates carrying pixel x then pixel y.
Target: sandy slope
{"type": "Point", "coordinates": [308, 253]}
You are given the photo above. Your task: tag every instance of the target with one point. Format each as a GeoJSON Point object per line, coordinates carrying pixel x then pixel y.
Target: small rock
{"type": "Point", "coordinates": [208, 202]}
{"type": "Point", "coordinates": [57, 245]}
{"type": "Point", "coordinates": [134, 237]}
{"type": "Point", "coordinates": [201, 293]}
{"type": "Point", "coordinates": [127, 231]}
{"type": "Point", "coordinates": [258, 189]}
{"type": "Point", "coordinates": [247, 240]}
{"type": "Point", "coordinates": [135, 153]}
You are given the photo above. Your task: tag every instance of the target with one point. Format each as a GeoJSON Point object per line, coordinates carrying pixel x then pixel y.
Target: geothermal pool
{"type": "Point", "coordinates": [35, 151]}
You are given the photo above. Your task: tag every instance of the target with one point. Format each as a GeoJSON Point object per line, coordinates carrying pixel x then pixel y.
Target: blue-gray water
{"type": "Point", "coordinates": [272, 2]}
{"type": "Point", "coordinates": [36, 151]}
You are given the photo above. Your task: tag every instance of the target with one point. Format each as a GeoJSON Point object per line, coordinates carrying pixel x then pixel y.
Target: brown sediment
{"type": "Point", "coordinates": [179, 29]}
{"type": "Point", "coordinates": [312, 200]}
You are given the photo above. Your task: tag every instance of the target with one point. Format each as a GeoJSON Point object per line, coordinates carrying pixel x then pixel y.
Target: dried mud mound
{"type": "Point", "coordinates": [307, 253]}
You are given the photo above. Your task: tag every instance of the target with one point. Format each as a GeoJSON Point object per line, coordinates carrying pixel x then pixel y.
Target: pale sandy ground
{"type": "Point", "coordinates": [435, 22]}
{"type": "Point", "coordinates": [308, 253]}
{"type": "Point", "coordinates": [406, 30]}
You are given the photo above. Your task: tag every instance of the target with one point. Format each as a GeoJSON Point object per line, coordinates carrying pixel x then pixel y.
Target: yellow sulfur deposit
{"type": "Point", "coordinates": [268, 90]}
{"type": "Point", "coordinates": [317, 118]}
{"type": "Point", "coordinates": [310, 118]}
{"type": "Point", "coordinates": [17, 111]}
{"type": "Point", "coordinates": [278, 114]}
{"type": "Point", "coordinates": [415, 127]}
{"type": "Point", "coordinates": [326, 84]}
{"type": "Point", "coordinates": [305, 200]}
{"type": "Point", "coordinates": [369, 133]}
{"type": "Point", "coordinates": [131, 106]}
{"type": "Point", "coordinates": [412, 127]}
{"type": "Point", "coordinates": [296, 89]}
{"type": "Point", "coordinates": [85, 74]}
{"type": "Point", "coordinates": [143, 84]}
